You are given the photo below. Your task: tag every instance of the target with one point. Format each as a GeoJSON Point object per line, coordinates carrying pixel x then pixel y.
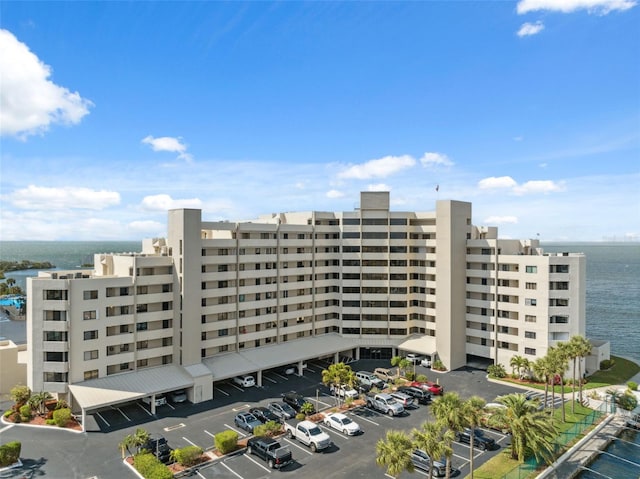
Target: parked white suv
{"type": "Point", "coordinates": [245, 381]}
{"type": "Point", "coordinates": [160, 400]}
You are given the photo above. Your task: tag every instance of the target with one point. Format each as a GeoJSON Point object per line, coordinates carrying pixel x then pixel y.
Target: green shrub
{"type": "Point", "coordinates": [226, 441]}
{"type": "Point", "coordinates": [187, 456]}
{"type": "Point", "coordinates": [300, 416]}
{"type": "Point", "coordinates": [61, 417]}
{"type": "Point", "coordinates": [20, 394]}
{"type": "Point", "coordinates": [496, 371]}
{"type": "Point", "coordinates": [607, 363]}
{"type": "Point", "coordinates": [150, 467]}
{"type": "Point", "coordinates": [438, 365]}
{"type": "Point", "coordinates": [50, 422]}
{"type": "Point", "coordinates": [25, 412]}
{"type": "Point", "coordinates": [10, 453]}
{"type": "Point", "coordinates": [270, 429]}
{"type": "Point", "coordinates": [411, 376]}
{"type": "Point", "coordinates": [16, 417]}
{"type": "Point", "coordinates": [62, 404]}
{"type": "Point", "coordinates": [628, 402]}
{"type": "Point", "coordinates": [349, 401]}
{"type": "Point", "coordinates": [422, 378]}
{"type": "Point", "coordinates": [8, 413]}
{"type": "Point", "coordinates": [632, 385]}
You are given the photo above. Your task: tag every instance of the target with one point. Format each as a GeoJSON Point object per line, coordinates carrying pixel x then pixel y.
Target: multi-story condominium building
{"type": "Point", "coordinates": [215, 300]}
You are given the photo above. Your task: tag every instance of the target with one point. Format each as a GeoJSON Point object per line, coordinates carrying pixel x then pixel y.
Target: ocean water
{"type": "Point", "coordinates": [613, 280]}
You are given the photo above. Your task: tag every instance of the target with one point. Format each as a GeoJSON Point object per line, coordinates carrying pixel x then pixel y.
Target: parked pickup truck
{"type": "Point", "coordinates": [309, 434]}
{"type": "Point", "coordinates": [270, 450]}
{"type": "Point", "coordinates": [384, 403]}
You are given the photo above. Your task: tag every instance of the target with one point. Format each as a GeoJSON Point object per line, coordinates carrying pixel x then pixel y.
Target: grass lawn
{"type": "Point", "coordinates": [620, 373]}
{"type": "Point", "coordinates": [502, 463]}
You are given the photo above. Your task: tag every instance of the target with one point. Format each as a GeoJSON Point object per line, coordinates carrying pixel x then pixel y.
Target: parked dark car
{"type": "Point", "coordinates": [479, 439]}
{"type": "Point", "coordinates": [282, 410]}
{"type": "Point", "coordinates": [270, 450]}
{"type": "Point", "coordinates": [295, 400]}
{"type": "Point", "coordinates": [421, 460]}
{"type": "Point", "coordinates": [420, 395]}
{"type": "Point", "coordinates": [159, 447]}
{"type": "Point", "coordinates": [263, 414]}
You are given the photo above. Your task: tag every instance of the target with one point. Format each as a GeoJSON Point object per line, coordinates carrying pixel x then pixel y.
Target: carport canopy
{"type": "Point", "coordinates": [97, 393]}
{"type": "Point", "coordinates": [422, 345]}
{"type": "Point", "coordinates": [266, 357]}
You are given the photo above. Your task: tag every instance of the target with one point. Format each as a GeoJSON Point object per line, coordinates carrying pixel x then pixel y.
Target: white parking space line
{"type": "Point", "coordinates": [280, 376]}
{"type": "Point", "coordinates": [237, 387]}
{"type": "Point", "coordinates": [207, 432]}
{"type": "Point", "coordinates": [386, 416]}
{"type": "Point", "coordinates": [103, 419]}
{"type": "Point", "coordinates": [200, 474]}
{"type": "Point", "coordinates": [121, 412]}
{"type": "Point", "coordinates": [332, 430]}
{"type": "Point", "coordinates": [310, 370]}
{"type": "Point", "coordinates": [144, 409]}
{"type": "Point", "coordinates": [365, 419]}
{"type": "Point", "coordinates": [167, 404]}
{"type": "Point", "coordinates": [231, 470]}
{"type": "Point", "coordinates": [190, 442]}
{"type": "Point", "coordinates": [174, 427]}
{"type": "Point", "coordinates": [241, 434]}
{"type": "Point", "coordinates": [306, 451]}
{"type": "Point", "coordinates": [257, 463]}
{"type": "Point", "coordinates": [223, 392]}
{"type": "Point", "coordinates": [264, 376]}
{"type": "Point", "coordinates": [318, 401]}
{"type": "Point", "coordinates": [241, 408]}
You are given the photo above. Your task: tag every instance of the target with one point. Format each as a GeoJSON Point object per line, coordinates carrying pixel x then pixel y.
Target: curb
{"type": "Point", "coordinates": [42, 426]}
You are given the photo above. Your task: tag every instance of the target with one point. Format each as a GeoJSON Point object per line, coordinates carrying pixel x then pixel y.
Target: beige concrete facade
{"type": "Point", "coordinates": [214, 292]}
{"type": "Point", "coordinates": [13, 371]}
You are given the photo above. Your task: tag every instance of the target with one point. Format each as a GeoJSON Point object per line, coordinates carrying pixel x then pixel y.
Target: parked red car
{"type": "Point", "coordinates": [433, 388]}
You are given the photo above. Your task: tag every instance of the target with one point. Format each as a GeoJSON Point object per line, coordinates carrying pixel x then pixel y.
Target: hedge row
{"type": "Point", "coordinates": [150, 467]}
{"type": "Point", "coordinates": [10, 453]}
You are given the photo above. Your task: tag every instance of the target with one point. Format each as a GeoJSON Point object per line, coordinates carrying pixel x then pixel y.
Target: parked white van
{"type": "Point", "coordinates": [245, 381]}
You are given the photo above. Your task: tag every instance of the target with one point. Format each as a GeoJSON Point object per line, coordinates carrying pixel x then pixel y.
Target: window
{"type": "Point", "coordinates": [531, 285]}
{"type": "Point", "coordinates": [55, 335]}
{"type": "Point", "coordinates": [531, 269]}
{"type": "Point", "coordinates": [531, 301]}
{"type": "Point", "coordinates": [89, 355]}
{"type": "Point", "coordinates": [142, 326]}
{"type": "Point", "coordinates": [90, 294]}
{"type": "Point", "coordinates": [529, 318]}
{"type": "Point", "coordinates": [90, 335]}
{"type": "Point", "coordinates": [55, 377]}
{"type": "Point", "coordinates": [530, 351]}
{"type": "Point", "coordinates": [143, 362]}
{"type": "Point", "coordinates": [89, 315]}
{"type": "Point", "coordinates": [223, 332]}
{"type": "Point", "coordinates": [93, 374]}
{"type": "Point", "coordinates": [55, 294]}
{"type": "Point", "coordinates": [530, 334]}
{"type": "Point", "coordinates": [559, 319]}
{"type": "Point", "coordinates": [559, 268]}
{"type": "Point", "coordinates": [124, 366]}
{"type": "Point", "coordinates": [142, 345]}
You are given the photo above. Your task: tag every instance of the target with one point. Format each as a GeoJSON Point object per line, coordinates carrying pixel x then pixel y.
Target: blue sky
{"type": "Point", "coordinates": [113, 112]}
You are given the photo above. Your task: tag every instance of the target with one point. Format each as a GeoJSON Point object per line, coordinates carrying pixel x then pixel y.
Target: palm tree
{"type": "Point", "coordinates": [573, 353]}
{"type": "Point", "coordinates": [583, 347]}
{"type": "Point", "coordinates": [139, 439]}
{"type": "Point", "coordinates": [394, 453]}
{"type": "Point", "coordinates": [560, 359]}
{"type": "Point", "coordinates": [516, 362]}
{"type": "Point", "coordinates": [336, 375]}
{"type": "Point", "coordinates": [472, 413]}
{"type": "Point", "coordinates": [126, 443]}
{"type": "Point", "coordinates": [531, 430]}
{"type": "Point", "coordinates": [430, 440]}
{"type": "Point", "coordinates": [542, 371]}
{"type": "Point", "coordinates": [448, 410]}
{"type": "Point", "coordinates": [38, 400]}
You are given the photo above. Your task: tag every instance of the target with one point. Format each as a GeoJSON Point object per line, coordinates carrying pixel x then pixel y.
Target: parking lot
{"type": "Point", "coordinates": [186, 424]}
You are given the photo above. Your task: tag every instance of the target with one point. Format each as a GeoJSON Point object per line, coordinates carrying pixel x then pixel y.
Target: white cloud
{"type": "Point", "coordinates": [435, 159]}
{"type": "Point", "coordinates": [497, 182]}
{"type": "Point", "coordinates": [518, 138]}
{"type": "Point", "coordinates": [29, 102]}
{"type": "Point", "coordinates": [165, 202]}
{"type": "Point", "coordinates": [40, 197]}
{"type": "Point", "coordinates": [379, 187]}
{"type": "Point", "coordinates": [501, 220]}
{"type": "Point", "coordinates": [539, 186]}
{"type": "Point", "coordinates": [170, 144]}
{"type": "Point", "coordinates": [528, 29]}
{"type": "Point", "coordinates": [334, 194]}
{"type": "Point", "coordinates": [380, 168]}
{"type": "Point", "coordinates": [600, 7]}
{"type": "Point", "coordinates": [299, 185]}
